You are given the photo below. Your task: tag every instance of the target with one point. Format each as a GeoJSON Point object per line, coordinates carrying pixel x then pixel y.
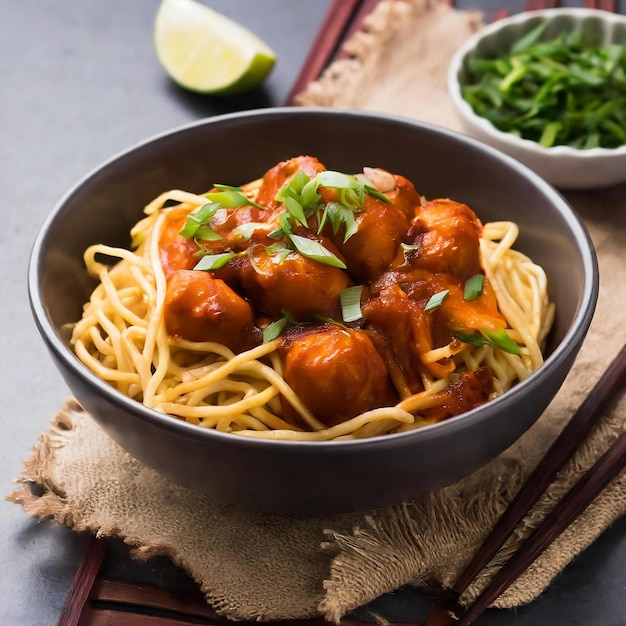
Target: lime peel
{"type": "Point", "coordinates": [207, 52]}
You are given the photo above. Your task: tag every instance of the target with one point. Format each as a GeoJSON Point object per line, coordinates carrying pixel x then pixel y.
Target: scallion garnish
{"type": "Point", "coordinates": [294, 188]}
{"type": "Point", "coordinates": [337, 214]}
{"type": "Point", "coordinates": [199, 218]}
{"type": "Point", "coordinates": [296, 210]}
{"type": "Point", "coordinates": [316, 251]}
{"type": "Point", "coordinates": [273, 331]}
{"type": "Point", "coordinates": [302, 199]}
{"type": "Point", "coordinates": [436, 300]}
{"type": "Point", "coordinates": [247, 229]}
{"type": "Point", "coordinates": [279, 250]}
{"type": "Point", "coordinates": [227, 197]}
{"type": "Point", "coordinates": [474, 287]}
{"type": "Point", "coordinates": [496, 338]}
{"type": "Point", "coordinates": [564, 90]}
{"type": "Point", "coordinates": [214, 261]}
{"type": "Point", "coordinates": [350, 300]}
{"type": "Point", "coordinates": [346, 182]}
{"type": "Point", "coordinates": [327, 320]}
{"type": "Point", "coordinates": [231, 197]}
{"type": "Point", "coordinates": [409, 249]}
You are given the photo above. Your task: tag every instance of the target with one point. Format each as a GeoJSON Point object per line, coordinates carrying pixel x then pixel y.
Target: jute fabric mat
{"type": "Point", "coordinates": [261, 566]}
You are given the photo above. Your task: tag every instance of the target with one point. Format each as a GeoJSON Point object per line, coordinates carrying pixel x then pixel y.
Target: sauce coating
{"type": "Point", "coordinates": [402, 250]}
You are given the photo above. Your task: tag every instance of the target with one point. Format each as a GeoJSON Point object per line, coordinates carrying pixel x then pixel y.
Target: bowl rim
{"type": "Point", "coordinates": [465, 110]}
{"type": "Point", "coordinates": [576, 332]}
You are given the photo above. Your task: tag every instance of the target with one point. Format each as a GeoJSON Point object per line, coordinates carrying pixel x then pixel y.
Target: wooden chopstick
{"type": "Point", "coordinates": [569, 508]}
{"type": "Point", "coordinates": [339, 17]}
{"type": "Point", "coordinates": [604, 5]}
{"type": "Point", "coordinates": [86, 574]}
{"type": "Point", "coordinates": [584, 419]}
{"type": "Point", "coordinates": [97, 601]}
{"type": "Point", "coordinates": [536, 5]}
{"type": "Point", "coordinates": [608, 387]}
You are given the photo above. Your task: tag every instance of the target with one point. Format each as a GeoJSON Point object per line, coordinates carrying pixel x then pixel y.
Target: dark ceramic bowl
{"type": "Point", "coordinates": [306, 477]}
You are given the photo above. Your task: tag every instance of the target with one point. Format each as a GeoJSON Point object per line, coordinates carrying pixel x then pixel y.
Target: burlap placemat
{"type": "Point", "coordinates": [261, 566]}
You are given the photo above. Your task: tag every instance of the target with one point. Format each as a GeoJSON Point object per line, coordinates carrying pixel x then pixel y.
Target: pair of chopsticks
{"type": "Point", "coordinates": [581, 495]}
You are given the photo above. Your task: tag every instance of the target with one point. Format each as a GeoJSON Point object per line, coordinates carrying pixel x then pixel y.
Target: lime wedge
{"type": "Point", "coordinates": [205, 51]}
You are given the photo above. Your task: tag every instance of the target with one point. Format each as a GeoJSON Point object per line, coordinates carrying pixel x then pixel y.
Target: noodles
{"type": "Point", "coordinates": [123, 333]}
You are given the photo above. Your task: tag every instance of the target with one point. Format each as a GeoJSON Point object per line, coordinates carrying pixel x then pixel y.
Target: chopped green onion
{"type": "Point", "coordinates": [200, 217]}
{"type": "Point", "coordinates": [309, 196]}
{"type": "Point", "coordinates": [293, 189]}
{"type": "Point", "coordinates": [436, 300]}
{"type": "Point", "coordinates": [377, 194]}
{"type": "Point", "coordinates": [296, 210]}
{"type": "Point", "coordinates": [274, 330]}
{"type": "Point", "coordinates": [247, 229]}
{"type": "Point", "coordinates": [409, 249]}
{"type": "Point", "coordinates": [348, 183]}
{"type": "Point", "coordinates": [497, 339]}
{"type": "Point", "coordinates": [350, 299]}
{"type": "Point", "coordinates": [338, 214]}
{"type": "Point", "coordinates": [337, 180]}
{"type": "Point", "coordinates": [567, 90]}
{"type": "Point", "coordinates": [231, 197]}
{"type": "Point", "coordinates": [214, 261]}
{"type": "Point", "coordinates": [327, 320]}
{"type": "Point", "coordinates": [501, 340]}
{"type": "Point", "coordinates": [279, 250]}
{"type": "Point", "coordinates": [206, 233]}
{"type": "Point", "coordinates": [316, 251]}
{"type": "Point", "coordinates": [473, 287]}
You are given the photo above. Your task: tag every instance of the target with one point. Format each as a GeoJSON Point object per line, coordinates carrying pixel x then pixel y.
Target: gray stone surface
{"type": "Point", "coordinates": [79, 82]}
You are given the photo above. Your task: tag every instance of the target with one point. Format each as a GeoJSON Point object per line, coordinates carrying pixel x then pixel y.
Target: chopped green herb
{"type": "Point", "coordinates": [350, 299]}
{"type": "Point", "coordinates": [496, 338]}
{"type": "Point", "coordinates": [346, 183]}
{"type": "Point", "coordinates": [337, 214]}
{"type": "Point", "coordinates": [436, 300]}
{"type": "Point", "coordinates": [327, 320]}
{"type": "Point", "coordinates": [227, 197]}
{"type": "Point", "coordinates": [206, 233]}
{"type": "Point", "coordinates": [294, 188]}
{"type": "Point", "coordinates": [231, 197]}
{"type": "Point", "coordinates": [302, 200]}
{"type": "Point", "coordinates": [214, 261]}
{"type": "Point", "coordinates": [274, 330]}
{"type": "Point", "coordinates": [199, 218]}
{"type": "Point", "coordinates": [296, 210]}
{"type": "Point", "coordinates": [566, 90]}
{"type": "Point", "coordinates": [247, 230]}
{"type": "Point", "coordinates": [474, 287]}
{"type": "Point", "coordinates": [279, 250]}
{"type": "Point", "coordinates": [316, 251]}
{"type": "Point", "coordinates": [501, 340]}
{"type": "Point", "coordinates": [409, 249]}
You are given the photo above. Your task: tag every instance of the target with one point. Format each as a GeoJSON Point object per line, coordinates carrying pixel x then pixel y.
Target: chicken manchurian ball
{"type": "Point", "coordinates": [199, 307]}
{"type": "Point", "coordinates": [337, 372]}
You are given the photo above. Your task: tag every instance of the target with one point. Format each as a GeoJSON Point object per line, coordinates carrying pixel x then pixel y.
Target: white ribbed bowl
{"type": "Point", "coordinates": [562, 166]}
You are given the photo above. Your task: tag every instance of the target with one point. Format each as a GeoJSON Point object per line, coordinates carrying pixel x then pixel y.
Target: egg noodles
{"type": "Point", "coordinates": [425, 330]}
